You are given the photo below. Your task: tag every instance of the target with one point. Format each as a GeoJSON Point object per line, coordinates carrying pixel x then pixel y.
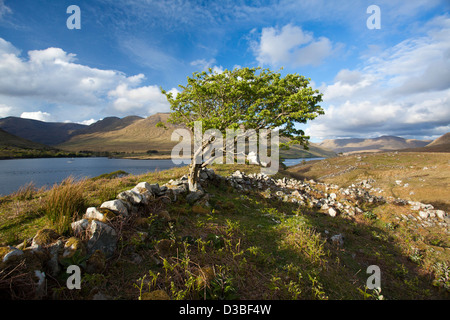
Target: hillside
{"type": "Point", "coordinates": [8, 140]}
{"type": "Point", "coordinates": [142, 135]}
{"type": "Point", "coordinates": [48, 133]}
{"type": "Point", "coordinates": [441, 144]}
{"type": "Point", "coordinates": [383, 143]}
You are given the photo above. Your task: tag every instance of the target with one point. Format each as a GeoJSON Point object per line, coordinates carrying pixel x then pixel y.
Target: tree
{"type": "Point", "coordinates": [244, 98]}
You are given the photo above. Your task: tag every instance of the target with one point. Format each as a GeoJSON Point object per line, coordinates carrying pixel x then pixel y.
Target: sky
{"type": "Point", "coordinates": [391, 80]}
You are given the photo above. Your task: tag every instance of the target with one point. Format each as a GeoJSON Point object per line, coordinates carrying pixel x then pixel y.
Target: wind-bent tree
{"type": "Point", "coordinates": [245, 98]}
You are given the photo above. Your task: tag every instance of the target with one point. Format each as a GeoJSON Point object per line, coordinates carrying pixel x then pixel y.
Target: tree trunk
{"type": "Point", "coordinates": [194, 171]}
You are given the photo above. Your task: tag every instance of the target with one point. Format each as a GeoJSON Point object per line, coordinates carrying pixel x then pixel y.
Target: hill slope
{"type": "Point", "coordinates": [441, 144]}
{"type": "Point", "coordinates": [8, 140]}
{"type": "Point", "coordinates": [142, 135]}
{"type": "Point", "coordinates": [139, 136]}
{"type": "Point", "coordinates": [383, 143]}
{"type": "Point", "coordinates": [49, 133]}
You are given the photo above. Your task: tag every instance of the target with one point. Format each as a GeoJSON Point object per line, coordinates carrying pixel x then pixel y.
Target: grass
{"type": "Point", "coordinates": [242, 246]}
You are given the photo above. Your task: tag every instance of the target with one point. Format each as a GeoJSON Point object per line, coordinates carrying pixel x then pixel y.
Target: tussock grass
{"type": "Point", "coordinates": [65, 203]}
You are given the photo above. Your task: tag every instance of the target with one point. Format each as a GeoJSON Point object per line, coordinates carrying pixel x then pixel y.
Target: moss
{"type": "Point", "coordinates": [155, 295]}
{"type": "Point", "coordinates": [4, 251]}
{"type": "Point", "coordinates": [107, 213]}
{"type": "Point", "coordinates": [72, 246]}
{"type": "Point", "coordinates": [45, 237]}
{"type": "Point", "coordinates": [200, 210]}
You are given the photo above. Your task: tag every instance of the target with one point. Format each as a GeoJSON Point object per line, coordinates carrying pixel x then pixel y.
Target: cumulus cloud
{"type": "Point", "coordinates": [404, 90]}
{"type": "Point", "coordinates": [52, 77]}
{"type": "Point", "coordinates": [148, 99]}
{"type": "Point", "coordinates": [37, 115]}
{"type": "Point", "coordinates": [291, 45]}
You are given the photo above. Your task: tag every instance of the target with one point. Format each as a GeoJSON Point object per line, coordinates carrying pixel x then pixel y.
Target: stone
{"type": "Point", "coordinates": [332, 196]}
{"type": "Point", "coordinates": [78, 227]}
{"type": "Point", "coordinates": [192, 197]}
{"type": "Point", "coordinates": [423, 214]}
{"type": "Point", "coordinates": [102, 237]}
{"type": "Point", "coordinates": [332, 212]}
{"type": "Point", "coordinates": [131, 197]}
{"type": "Point", "coordinates": [11, 252]}
{"type": "Point", "coordinates": [440, 214]}
{"type": "Point", "coordinates": [73, 246]}
{"type": "Point", "coordinates": [44, 237]}
{"type": "Point", "coordinates": [338, 239]}
{"type": "Point", "coordinates": [100, 214]}
{"type": "Point", "coordinates": [54, 252]}
{"type": "Point", "coordinates": [142, 187]}
{"type": "Point", "coordinates": [116, 206]}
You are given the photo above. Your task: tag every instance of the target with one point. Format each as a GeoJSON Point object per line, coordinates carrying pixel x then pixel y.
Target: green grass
{"type": "Point", "coordinates": [244, 246]}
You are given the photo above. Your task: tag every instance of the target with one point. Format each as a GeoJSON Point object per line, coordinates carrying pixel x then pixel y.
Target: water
{"type": "Point", "coordinates": [48, 171]}
{"type": "Point", "coordinates": [293, 162]}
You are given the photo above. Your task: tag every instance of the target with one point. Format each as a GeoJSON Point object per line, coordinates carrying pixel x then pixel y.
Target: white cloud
{"type": "Point", "coordinates": [37, 115]}
{"type": "Point", "coordinates": [5, 110]}
{"type": "Point", "coordinates": [404, 90]}
{"type": "Point", "coordinates": [135, 100]}
{"type": "Point", "coordinates": [51, 80]}
{"type": "Point", "coordinates": [4, 9]}
{"type": "Point", "coordinates": [88, 122]}
{"type": "Point", "coordinates": [291, 45]}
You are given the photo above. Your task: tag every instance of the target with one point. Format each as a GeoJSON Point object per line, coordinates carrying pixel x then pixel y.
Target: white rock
{"type": "Point", "coordinates": [332, 212]}
{"type": "Point", "coordinates": [12, 253]}
{"type": "Point", "coordinates": [115, 205]}
{"type": "Point", "coordinates": [80, 226]}
{"type": "Point", "coordinates": [93, 213]}
{"type": "Point", "coordinates": [423, 214]}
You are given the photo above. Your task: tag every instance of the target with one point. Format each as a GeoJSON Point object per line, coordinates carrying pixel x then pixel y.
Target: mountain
{"type": "Point", "coordinates": [10, 141]}
{"type": "Point", "coordinates": [48, 133]}
{"type": "Point", "coordinates": [142, 135]}
{"type": "Point", "coordinates": [441, 144]}
{"type": "Point", "coordinates": [109, 124]}
{"type": "Point", "coordinates": [383, 143]}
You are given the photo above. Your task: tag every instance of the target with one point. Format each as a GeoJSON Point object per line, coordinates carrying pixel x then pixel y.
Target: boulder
{"type": "Point", "coordinates": [130, 196]}
{"type": "Point", "coordinates": [192, 197]}
{"type": "Point", "coordinates": [102, 237]}
{"type": "Point", "coordinates": [116, 206]}
{"type": "Point", "coordinates": [78, 227]}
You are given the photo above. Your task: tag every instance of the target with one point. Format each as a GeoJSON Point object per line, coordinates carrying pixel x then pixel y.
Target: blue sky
{"type": "Point", "coordinates": [389, 81]}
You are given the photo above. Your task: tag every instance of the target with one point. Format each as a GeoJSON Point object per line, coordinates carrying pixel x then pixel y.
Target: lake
{"type": "Point", "coordinates": [48, 171]}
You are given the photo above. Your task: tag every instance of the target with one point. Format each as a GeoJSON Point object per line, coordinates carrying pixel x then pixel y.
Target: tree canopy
{"type": "Point", "coordinates": [246, 98]}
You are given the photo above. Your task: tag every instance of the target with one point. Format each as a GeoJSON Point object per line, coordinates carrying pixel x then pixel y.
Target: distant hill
{"type": "Point", "coordinates": [48, 133]}
{"type": "Point", "coordinates": [441, 144]}
{"type": "Point", "coordinates": [383, 143]}
{"type": "Point", "coordinates": [11, 141]}
{"type": "Point", "coordinates": [108, 124]}
{"type": "Point", "coordinates": [142, 135]}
